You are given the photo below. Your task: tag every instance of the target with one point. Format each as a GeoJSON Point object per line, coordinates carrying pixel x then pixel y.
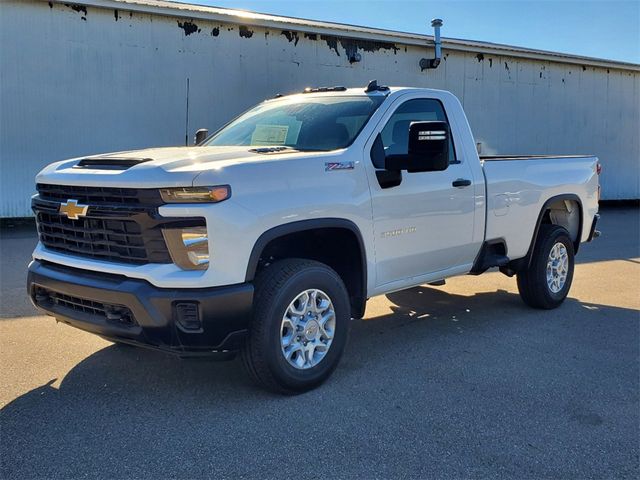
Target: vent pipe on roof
{"type": "Point", "coordinates": [425, 63]}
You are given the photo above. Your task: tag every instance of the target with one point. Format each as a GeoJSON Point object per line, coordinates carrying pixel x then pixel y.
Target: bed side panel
{"type": "Point", "coordinates": [517, 190]}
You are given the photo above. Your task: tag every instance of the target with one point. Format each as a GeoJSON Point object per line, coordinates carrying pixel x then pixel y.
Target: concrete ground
{"type": "Point", "coordinates": [447, 382]}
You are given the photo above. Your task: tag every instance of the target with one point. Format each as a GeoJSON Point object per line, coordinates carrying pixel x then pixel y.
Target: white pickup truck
{"type": "Point", "coordinates": [269, 235]}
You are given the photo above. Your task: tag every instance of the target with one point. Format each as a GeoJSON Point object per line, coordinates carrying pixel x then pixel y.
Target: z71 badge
{"type": "Point", "coordinates": [331, 166]}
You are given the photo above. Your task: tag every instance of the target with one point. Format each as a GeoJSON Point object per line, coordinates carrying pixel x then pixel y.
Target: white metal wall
{"type": "Point", "coordinates": [78, 81]}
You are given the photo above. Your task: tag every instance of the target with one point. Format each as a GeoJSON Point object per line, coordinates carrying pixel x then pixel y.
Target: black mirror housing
{"type": "Point", "coordinates": [428, 149]}
{"type": "Point", "coordinates": [201, 135]}
{"type": "Point", "coordinates": [428, 146]}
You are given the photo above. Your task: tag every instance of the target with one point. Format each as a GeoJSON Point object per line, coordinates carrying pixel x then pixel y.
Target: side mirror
{"type": "Point", "coordinates": [428, 149]}
{"type": "Point", "coordinates": [200, 136]}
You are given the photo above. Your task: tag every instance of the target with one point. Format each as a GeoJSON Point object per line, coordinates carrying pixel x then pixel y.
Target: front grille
{"type": "Point", "coordinates": [121, 225]}
{"type": "Point", "coordinates": [113, 239]}
{"type": "Point", "coordinates": [100, 195]}
{"type": "Point", "coordinates": [116, 314]}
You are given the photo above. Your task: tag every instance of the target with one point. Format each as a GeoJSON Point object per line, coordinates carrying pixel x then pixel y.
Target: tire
{"type": "Point", "coordinates": [277, 289]}
{"type": "Point", "coordinates": [535, 290]}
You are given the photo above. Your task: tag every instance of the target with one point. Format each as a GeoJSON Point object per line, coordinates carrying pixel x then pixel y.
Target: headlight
{"type": "Point", "coordinates": [195, 194]}
{"type": "Point", "coordinates": [189, 247]}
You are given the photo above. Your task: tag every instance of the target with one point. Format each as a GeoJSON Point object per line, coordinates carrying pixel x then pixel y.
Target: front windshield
{"type": "Point", "coordinates": [313, 123]}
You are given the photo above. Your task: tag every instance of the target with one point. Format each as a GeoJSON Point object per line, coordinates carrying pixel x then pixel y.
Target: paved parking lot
{"type": "Point", "coordinates": [447, 382]}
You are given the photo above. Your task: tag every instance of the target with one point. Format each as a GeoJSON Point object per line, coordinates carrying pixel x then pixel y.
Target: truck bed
{"type": "Point", "coordinates": [518, 186]}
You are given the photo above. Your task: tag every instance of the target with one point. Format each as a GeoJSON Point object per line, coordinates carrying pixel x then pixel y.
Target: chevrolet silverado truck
{"type": "Point", "coordinates": [267, 237]}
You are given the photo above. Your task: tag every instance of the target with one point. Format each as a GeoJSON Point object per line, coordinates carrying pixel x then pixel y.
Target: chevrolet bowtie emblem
{"type": "Point", "coordinates": [73, 210]}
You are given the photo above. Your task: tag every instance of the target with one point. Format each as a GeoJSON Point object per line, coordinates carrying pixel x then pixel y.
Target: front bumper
{"type": "Point", "coordinates": [214, 321]}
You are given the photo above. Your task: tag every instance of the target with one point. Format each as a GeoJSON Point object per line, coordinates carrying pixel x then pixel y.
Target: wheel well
{"type": "Point", "coordinates": [567, 214]}
{"type": "Point", "coordinates": [339, 248]}
{"type": "Point", "coordinates": [564, 210]}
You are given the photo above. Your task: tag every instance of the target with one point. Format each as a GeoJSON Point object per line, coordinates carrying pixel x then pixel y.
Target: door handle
{"type": "Point", "coordinates": [461, 182]}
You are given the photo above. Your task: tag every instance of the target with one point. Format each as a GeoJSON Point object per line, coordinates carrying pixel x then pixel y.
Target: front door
{"type": "Point", "coordinates": [424, 225]}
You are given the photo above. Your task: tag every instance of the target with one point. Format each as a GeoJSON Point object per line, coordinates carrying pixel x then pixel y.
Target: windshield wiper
{"type": "Point", "coordinates": [274, 149]}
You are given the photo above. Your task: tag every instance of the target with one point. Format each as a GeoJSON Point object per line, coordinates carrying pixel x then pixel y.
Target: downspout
{"type": "Point", "coordinates": [426, 63]}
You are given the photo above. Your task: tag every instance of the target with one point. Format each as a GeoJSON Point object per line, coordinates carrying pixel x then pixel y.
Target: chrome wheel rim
{"type": "Point", "coordinates": [307, 329]}
{"type": "Point", "coordinates": [557, 267]}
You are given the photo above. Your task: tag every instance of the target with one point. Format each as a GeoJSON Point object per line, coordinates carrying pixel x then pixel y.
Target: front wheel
{"type": "Point", "coordinates": [546, 282]}
{"type": "Point", "coordinates": [299, 328]}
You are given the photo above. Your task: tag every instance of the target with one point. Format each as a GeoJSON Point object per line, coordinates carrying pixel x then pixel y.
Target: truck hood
{"type": "Point", "coordinates": [154, 167]}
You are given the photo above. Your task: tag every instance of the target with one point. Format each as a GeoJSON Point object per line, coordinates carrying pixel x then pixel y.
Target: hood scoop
{"type": "Point", "coordinates": [110, 163]}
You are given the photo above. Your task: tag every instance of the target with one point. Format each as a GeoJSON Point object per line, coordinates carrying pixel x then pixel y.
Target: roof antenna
{"type": "Point", "coordinates": [425, 63]}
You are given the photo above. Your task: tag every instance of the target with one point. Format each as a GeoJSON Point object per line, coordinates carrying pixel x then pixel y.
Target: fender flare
{"type": "Point", "coordinates": [526, 260]}
{"type": "Point", "coordinates": [301, 226]}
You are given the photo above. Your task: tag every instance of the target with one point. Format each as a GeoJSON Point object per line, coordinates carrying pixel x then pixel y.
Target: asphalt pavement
{"type": "Point", "coordinates": [459, 381]}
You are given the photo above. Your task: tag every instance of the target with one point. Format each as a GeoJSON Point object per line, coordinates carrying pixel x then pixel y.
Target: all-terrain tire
{"type": "Point", "coordinates": [275, 288]}
{"type": "Point", "coordinates": [533, 285]}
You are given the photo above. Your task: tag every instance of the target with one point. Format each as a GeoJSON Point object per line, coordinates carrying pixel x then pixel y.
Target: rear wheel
{"type": "Point", "coordinates": [299, 327]}
{"type": "Point", "coordinates": [546, 283]}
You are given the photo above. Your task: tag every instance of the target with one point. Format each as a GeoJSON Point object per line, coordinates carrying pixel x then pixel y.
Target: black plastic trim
{"type": "Point", "coordinates": [111, 163]}
{"type": "Point", "coordinates": [301, 226]}
{"type": "Point", "coordinates": [225, 311]}
{"type": "Point", "coordinates": [525, 261]}
{"type": "Point", "coordinates": [487, 258]}
{"type": "Point", "coordinates": [389, 178]}
{"type": "Point", "coordinates": [101, 196]}
{"type": "Point", "coordinates": [592, 232]}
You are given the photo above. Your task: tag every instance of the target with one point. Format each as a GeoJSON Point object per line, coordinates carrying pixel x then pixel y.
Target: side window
{"type": "Point", "coordinates": [395, 134]}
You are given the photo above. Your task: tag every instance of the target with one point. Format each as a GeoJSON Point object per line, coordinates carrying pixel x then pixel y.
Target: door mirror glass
{"type": "Point", "coordinates": [427, 150]}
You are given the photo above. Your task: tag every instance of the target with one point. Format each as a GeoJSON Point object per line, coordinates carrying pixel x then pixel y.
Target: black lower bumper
{"type": "Point", "coordinates": [187, 322]}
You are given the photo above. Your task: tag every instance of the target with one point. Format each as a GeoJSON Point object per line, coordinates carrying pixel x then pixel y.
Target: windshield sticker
{"type": "Point", "coordinates": [269, 135]}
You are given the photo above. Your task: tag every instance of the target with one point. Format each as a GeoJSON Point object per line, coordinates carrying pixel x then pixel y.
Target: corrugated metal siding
{"type": "Point", "coordinates": [76, 83]}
